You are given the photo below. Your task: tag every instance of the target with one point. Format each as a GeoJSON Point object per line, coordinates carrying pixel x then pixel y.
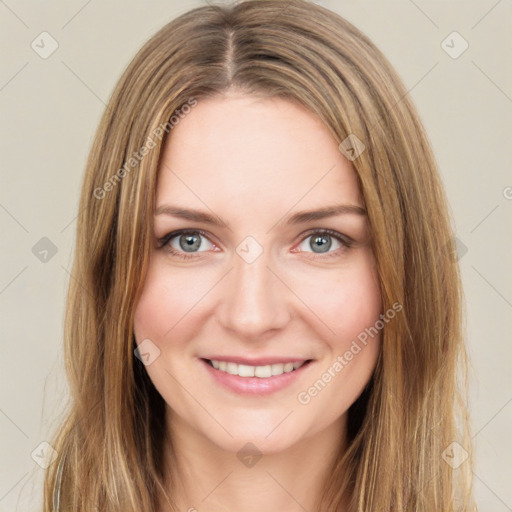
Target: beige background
{"type": "Point", "coordinates": [50, 109]}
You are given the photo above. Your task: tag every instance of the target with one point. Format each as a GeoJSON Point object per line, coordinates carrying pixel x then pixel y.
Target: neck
{"type": "Point", "coordinates": [203, 477]}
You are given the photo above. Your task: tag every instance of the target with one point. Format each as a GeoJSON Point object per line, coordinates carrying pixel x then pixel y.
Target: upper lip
{"type": "Point", "coordinates": [257, 361]}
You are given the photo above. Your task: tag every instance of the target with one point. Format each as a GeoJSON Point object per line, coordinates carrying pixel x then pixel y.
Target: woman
{"type": "Point", "coordinates": [267, 311]}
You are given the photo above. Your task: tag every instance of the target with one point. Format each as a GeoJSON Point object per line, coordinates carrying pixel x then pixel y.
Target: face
{"type": "Point", "coordinates": [254, 316]}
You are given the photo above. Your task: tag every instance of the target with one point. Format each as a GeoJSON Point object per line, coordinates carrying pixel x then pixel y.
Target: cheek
{"type": "Point", "coordinates": [359, 307]}
{"type": "Point", "coordinates": [350, 306]}
{"type": "Point", "coordinates": [347, 303]}
{"type": "Point", "coordinates": [151, 318]}
{"type": "Point", "coordinates": [167, 298]}
{"type": "Point", "coordinates": [162, 315]}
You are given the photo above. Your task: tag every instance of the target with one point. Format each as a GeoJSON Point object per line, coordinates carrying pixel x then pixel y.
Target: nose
{"type": "Point", "coordinates": [254, 300]}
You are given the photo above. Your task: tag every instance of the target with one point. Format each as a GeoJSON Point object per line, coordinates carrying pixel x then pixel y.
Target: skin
{"type": "Point", "coordinates": [252, 163]}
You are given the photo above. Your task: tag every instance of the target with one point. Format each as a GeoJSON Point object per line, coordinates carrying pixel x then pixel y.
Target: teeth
{"type": "Point", "coordinates": [277, 369]}
{"type": "Point", "coordinates": [232, 368]}
{"type": "Point", "coordinates": [243, 370]}
{"type": "Point", "coordinates": [263, 371]}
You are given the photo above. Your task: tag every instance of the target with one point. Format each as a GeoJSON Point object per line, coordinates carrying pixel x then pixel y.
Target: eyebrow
{"type": "Point", "coordinates": [297, 218]}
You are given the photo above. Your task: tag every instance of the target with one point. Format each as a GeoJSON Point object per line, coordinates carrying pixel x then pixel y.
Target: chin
{"type": "Point", "coordinates": [269, 431]}
{"type": "Point", "coordinates": [255, 440]}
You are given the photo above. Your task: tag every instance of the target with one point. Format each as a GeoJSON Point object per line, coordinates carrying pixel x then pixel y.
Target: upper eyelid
{"type": "Point", "coordinates": [173, 234]}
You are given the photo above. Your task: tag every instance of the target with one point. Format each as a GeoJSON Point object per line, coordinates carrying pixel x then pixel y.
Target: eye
{"type": "Point", "coordinates": [185, 243]}
{"type": "Point", "coordinates": [323, 240]}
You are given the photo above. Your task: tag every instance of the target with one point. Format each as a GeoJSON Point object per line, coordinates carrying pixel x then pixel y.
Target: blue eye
{"type": "Point", "coordinates": [186, 243]}
{"type": "Point", "coordinates": [321, 242]}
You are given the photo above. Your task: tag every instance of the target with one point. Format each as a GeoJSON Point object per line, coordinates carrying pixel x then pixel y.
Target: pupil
{"type": "Point", "coordinates": [324, 242]}
{"type": "Point", "coordinates": [189, 243]}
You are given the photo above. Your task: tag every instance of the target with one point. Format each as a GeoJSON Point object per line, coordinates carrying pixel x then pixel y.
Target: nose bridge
{"type": "Point", "coordinates": [254, 299]}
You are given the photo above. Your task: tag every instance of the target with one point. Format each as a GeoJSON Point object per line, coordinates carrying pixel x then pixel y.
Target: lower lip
{"type": "Point", "coordinates": [254, 385]}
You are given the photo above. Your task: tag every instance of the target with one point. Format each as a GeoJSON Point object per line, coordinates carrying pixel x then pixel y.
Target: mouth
{"type": "Point", "coordinates": [260, 371]}
{"type": "Point", "coordinates": [262, 377]}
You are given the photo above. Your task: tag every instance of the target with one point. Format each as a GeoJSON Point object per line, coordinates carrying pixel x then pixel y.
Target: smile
{"type": "Point", "coordinates": [263, 372]}
{"type": "Point", "coordinates": [262, 377]}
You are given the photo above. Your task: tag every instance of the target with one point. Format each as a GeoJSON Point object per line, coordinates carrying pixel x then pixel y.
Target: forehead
{"type": "Point", "coordinates": [251, 153]}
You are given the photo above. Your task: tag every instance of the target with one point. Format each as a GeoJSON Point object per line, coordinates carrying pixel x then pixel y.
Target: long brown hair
{"type": "Point", "coordinates": [110, 444]}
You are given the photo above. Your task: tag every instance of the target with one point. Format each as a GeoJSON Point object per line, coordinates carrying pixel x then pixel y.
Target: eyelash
{"type": "Point", "coordinates": [344, 241]}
